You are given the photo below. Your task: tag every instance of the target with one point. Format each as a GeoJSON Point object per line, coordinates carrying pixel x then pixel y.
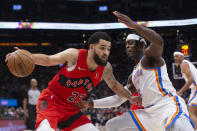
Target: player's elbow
{"type": "Point", "coordinates": [48, 61]}
{"type": "Point", "coordinates": [190, 80]}
{"type": "Point", "coordinates": [160, 41]}
{"type": "Point", "coordinates": [41, 59]}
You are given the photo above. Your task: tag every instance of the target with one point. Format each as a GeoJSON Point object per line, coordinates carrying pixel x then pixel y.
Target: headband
{"type": "Point", "coordinates": [178, 53]}
{"type": "Point", "coordinates": [135, 37]}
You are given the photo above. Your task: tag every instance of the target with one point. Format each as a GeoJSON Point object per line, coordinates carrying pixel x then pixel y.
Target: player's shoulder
{"type": "Point", "coordinates": [71, 52]}
{"type": "Point", "coordinates": [184, 65]}
{"type": "Point", "coordinates": [108, 68]}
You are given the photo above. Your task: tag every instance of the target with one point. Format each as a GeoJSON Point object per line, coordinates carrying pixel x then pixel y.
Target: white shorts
{"type": "Point", "coordinates": [160, 116]}
{"type": "Point", "coordinates": [193, 97]}
{"type": "Point", "coordinates": [125, 122]}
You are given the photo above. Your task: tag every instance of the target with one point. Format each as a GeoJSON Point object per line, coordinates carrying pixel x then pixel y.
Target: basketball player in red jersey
{"type": "Point", "coordinates": [82, 70]}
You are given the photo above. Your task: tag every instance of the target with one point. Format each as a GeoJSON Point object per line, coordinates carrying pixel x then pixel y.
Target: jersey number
{"type": "Point", "coordinates": [74, 96]}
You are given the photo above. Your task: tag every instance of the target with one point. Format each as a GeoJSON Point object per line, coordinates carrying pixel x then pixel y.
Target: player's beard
{"type": "Point", "coordinates": [98, 60]}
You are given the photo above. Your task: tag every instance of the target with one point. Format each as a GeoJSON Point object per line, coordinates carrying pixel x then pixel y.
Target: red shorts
{"type": "Point", "coordinates": [51, 107]}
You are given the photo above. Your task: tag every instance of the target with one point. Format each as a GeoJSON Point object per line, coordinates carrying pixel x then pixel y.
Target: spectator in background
{"type": "Point", "coordinates": [93, 117]}
{"type": "Point", "coordinates": [189, 72]}
{"type": "Point", "coordinates": [29, 104]}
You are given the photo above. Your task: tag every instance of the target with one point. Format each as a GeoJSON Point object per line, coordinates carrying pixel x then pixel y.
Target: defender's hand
{"type": "Point", "coordinates": [125, 20]}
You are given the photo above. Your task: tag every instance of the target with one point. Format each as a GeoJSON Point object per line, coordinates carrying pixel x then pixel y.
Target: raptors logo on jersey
{"type": "Point", "coordinates": [76, 82]}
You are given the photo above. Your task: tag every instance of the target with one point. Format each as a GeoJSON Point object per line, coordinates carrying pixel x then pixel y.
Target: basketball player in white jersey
{"type": "Point", "coordinates": [189, 72]}
{"type": "Point", "coordinates": [163, 108]}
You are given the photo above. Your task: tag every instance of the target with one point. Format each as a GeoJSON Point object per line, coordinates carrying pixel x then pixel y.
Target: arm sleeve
{"type": "Point", "coordinates": [111, 101]}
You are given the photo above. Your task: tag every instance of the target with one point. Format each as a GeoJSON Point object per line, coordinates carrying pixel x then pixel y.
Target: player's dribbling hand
{"type": "Point", "coordinates": [125, 19]}
{"type": "Point", "coordinates": [9, 54]}
{"type": "Point", "coordinates": [136, 99]}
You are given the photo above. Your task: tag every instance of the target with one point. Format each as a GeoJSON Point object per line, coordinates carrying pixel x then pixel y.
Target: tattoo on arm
{"type": "Point", "coordinates": [109, 76]}
{"type": "Point", "coordinates": [114, 84]}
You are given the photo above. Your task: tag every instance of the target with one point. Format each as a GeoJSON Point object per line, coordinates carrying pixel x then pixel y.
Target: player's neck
{"type": "Point", "coordinates": [92, 66]}
{"type": "Point", "coordinates": [138, 58]}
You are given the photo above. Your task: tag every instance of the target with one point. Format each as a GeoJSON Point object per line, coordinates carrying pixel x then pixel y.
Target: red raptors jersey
{"type": "Point", "coordinates": [72, 84]}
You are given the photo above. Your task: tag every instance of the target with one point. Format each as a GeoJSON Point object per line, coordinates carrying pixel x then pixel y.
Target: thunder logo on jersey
{"type": "Point", "coordinates": [137, 74]}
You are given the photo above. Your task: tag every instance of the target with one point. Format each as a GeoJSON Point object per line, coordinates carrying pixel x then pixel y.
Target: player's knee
{"type": "Point", "coordinates": [110, 125]}
{"type": "Point", "coordinates": [44, 126]}
{"type": "Point", "coordinates": [182, 124]}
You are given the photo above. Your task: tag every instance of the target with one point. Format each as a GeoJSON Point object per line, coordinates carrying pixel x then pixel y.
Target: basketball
{"type": "Point", "coordinates": [20, 63]}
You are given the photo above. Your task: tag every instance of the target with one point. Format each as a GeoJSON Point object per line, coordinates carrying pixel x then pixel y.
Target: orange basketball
{"type": "Point", "coordinates": [20, 63]}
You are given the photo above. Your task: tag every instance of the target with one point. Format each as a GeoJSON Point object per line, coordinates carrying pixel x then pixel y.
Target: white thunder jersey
{"type": "Point", "coordinates": [193, 96]}
{"type": "Point", "coordinates": [162, 106]}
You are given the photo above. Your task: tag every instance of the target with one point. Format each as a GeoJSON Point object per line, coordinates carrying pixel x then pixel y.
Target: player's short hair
{"type": "Point", "coordinates": [95, 37]}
